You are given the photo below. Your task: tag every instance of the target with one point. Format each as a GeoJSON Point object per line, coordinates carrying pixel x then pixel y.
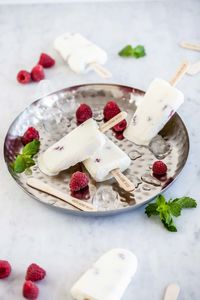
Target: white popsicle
{"type": "Point", "coordinates": [75, 147]}
{"type": "Point", "coordinates": [68, 42]}
{"type": "Point", "coordinates": [159, 104]}
{"type": "Point", "coordinates": [105, 160]}
{"type": "Point", "coordinates": [108, 278]}
{"type": "Point", "coordinates": [79, 52]}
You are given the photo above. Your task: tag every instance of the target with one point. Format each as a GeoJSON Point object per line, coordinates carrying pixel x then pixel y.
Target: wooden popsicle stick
{"type": "Point", "coordinates": [172, 292]}
{"type": "Point", "coordinates": [112, 122]}
{"type": "Point", "coordinates": [190, 46]}
{"type": "Point", "coordinates": [180, 72]}
{"type": "Point", "coordinates": [100, 70]}
{"type": "Point", "coordinates": [41, 186]}
{"type": "Point", "coordinates": [123, 181]}
{"type": "Point", "coordinates": [194, 68]}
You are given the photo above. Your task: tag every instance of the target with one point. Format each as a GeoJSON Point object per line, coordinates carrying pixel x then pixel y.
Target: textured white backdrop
{"type": "Point", "coordinates": [66, 245]}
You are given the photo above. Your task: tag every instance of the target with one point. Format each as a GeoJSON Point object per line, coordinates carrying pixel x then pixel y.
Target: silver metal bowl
{"type": "Point", "coordinates": [54, 116]}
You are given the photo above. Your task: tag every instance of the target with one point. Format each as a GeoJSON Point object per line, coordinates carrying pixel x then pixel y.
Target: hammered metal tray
{"type": "Point", "coordinates": [54, 116]}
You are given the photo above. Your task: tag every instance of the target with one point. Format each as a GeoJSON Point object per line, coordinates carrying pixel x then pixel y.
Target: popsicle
{"type": "Point", "coordinates": [75, 147]}
{"type": "Point", "coordinates": [108, 278]}
{"type": "Point", "coordinates": [106, 159]}
{"type": "Point", "coordinates": [159, 104]}
{"type": "Point", "coordinates": [81, 54]}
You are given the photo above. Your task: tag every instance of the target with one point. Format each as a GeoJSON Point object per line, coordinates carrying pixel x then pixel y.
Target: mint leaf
{"type": "Point", "coordinates": [126, 51]}
{"type": "Point", "coordinates": [179, 203]}
{"type": "Point", "coordinates": [19, 164]}
{"type": "Point", "coordinates": [129, 51]}
{"type": "Point", "coordinates": [29, 161]}
{"type": "Point", "coordinates": [139, 51]}
{"type": "Point", "coordinates": [24, 161]}
{"type": "Point", "coordinates": [175, 209]}
{"type": "Point", "coordinates": [151, 210]}
{"type": "Point", "coordinates": [163, 210]}
{"type": "Point", "coordinates": [170, 226]}
{"type": "Point", "coordinates": [160, 200]}
{"type": "Point", "coordinates": [185, 202]}
{"type": "Point", "coordinates": [167, 209]}
{"type": "Point", "coordinates": [31, 148]}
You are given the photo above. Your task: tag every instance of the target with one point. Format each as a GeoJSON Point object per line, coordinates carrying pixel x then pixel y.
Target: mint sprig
{"type": "Point", "coordinates": [166, 210]}
{"type": "Point", "coordinates": [31, 148]}
{"type": "Point", "coordinates": [24, 160]}
{"type": "Point", "coordinates": [129, 51]}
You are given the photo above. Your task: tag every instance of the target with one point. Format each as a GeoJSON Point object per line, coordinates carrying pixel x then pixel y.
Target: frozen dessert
{"type": "Point", "coordinates": [159, 104]}
{"type": "Point", "coordinates": [79, 52]}
{"type": "Point", "coordinates": [108, 278]}
{"type": "Point", "coordinates": [105, 160]}
{"type": "Point", "coordinates": [80, 144]}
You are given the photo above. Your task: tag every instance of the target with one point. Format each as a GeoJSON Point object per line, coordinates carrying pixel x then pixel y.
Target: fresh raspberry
{"type": "Point", "coordinates": [83, 194]}
{"type": "Point", "coordinates": [46, 61]}
{"type": "Point", "coordinates": [120, 126]}
{"type": "Point", "coordinates": [111, 109]}
{"type": "Point", "coordinates": [37, 73]}
{"type": "Point", "coordinates": [78, 181]}
{"type": "Point", "coordinates": [29, 135]}
{"type": "Point", "coordinates": [35, 273]}
{"type": "Point", "coordinates": [159, 168]}
{"type": "Point", "coordinates": [5, 269]}
{"type": "Point", "coordinates": [30, 290]}
{"type": "Point", "coordinates": [119, 136]}
{"type": "Point", "coordinates": [23, 77]}
{"type": "Point", "coordinates": [83, 113]}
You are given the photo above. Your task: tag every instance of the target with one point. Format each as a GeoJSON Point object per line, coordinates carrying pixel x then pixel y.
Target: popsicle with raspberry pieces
{"type": "Point", "coordinates": [102, 163]}
{"type": "Point", "coordinates": [73, 148]}
{"type": "Point", "coordinates": [157, 107]}
{"type": "Point", "coordinates": [107, 278]}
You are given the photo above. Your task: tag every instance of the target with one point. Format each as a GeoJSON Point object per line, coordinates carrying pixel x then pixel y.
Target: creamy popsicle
{"type": "Point", "coordinates": [106, 159]}
{"type": "Point", "coordinates": [79, 52]}
{"type": "Point", "coordinates": [159, 104]}
{"type": "Point", "coordinates": [108, 278]}
{"type": "Point", "coordinates": [75, 147]}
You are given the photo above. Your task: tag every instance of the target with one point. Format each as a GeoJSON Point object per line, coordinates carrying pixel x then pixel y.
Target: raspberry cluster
{"type": "Point", "coordinates": [37, 73]}
{"type": "Point", "coordinates": [34, 273]}
{"type": "Point", "coordinates": [111, 109]}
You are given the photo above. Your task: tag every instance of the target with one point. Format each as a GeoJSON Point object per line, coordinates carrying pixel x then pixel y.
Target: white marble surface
{"type": "Point", "coordinates": [66, 245]}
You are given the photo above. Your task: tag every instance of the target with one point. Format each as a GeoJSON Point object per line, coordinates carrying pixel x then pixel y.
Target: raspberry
{"type": "Point", "coordinates": [37, 73]}
{"type": "Point", "coordinates": [83, 194]}
{"type": "Point", "coordinates": [23, 77]}
{"type": "Point", "coordinates": [46, 61]}
{"type": "Point", "coordinates": [35, 273]}
{"type": "Point", "coordinates": [120, 126]}
{"type": "Point", "coordinates": [83, 113]}
{"type": "Point", "coordinates": [30, 134]}
{"type": "Point", "coordinates": [5, 269]}
{"type": "Point", "coordinates": [111, 109]}
{"type": "Point", "coordinates": [78, 181]}
{"type": "Point", "coordinates": [119, 136]}
{"type": "Point", "coordinates": [30, 290]}
{"type": "Point", "coordinates": [159, 168]}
